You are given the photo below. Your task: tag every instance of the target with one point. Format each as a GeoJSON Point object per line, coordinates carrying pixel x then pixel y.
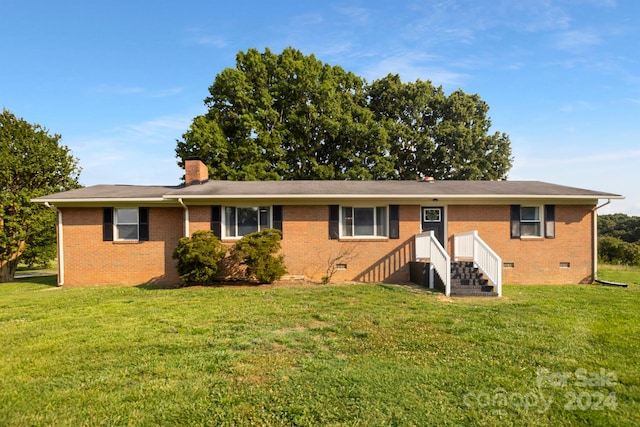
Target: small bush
{"type": "Point", "coordinates": [199, 257]}
{"type": "Point", "coordinates": [257, 253]}
{"type": "Point", "coordinates": [615, 251]}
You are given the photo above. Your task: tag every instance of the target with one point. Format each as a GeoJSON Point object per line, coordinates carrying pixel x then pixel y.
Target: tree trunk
{"type": "Point", "coordinates": [8, 271]}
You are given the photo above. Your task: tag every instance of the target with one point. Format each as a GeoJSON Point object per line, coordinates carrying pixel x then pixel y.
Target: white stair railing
{"type": "Point", "coordinates": [469, 245]}
{"type": "Point", "coordinates": [428, 247]}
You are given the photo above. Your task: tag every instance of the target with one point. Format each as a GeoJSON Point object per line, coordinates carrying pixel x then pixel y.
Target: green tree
{"type": "Point", "coordinates": [287, 116]}
{"type": "Point", "coordinates": [431, 134]}
{"type": "Point", "coordinates": [290, 116]}
{"type": "Point", "coordinates": [616, 251]}
{"type": "Point", "coordinates": [32, 164]}
{"type": "Point", "coordinates": [619, 225]}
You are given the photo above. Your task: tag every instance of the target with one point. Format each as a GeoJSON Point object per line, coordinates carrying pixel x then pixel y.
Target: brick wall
{"type": "Point", "coordinates": [535, 260]}
{"type": "Point", "coordinates": [309, 252]}
{"type": "Point", "coordinates": [90, 261]}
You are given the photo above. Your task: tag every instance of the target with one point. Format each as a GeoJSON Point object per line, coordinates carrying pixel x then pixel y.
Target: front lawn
{"type": "Point", "coordinates": [318, 355]}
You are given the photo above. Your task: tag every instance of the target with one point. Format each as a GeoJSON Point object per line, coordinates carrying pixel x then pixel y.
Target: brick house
{"type": "Point", "coordinates": [519, 232]}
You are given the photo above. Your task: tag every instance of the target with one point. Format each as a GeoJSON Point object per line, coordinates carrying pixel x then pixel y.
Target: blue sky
{"type": "Point", "coordinates": [122, 80]}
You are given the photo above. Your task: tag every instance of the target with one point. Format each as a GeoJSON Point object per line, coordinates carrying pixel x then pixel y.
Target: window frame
{"type": "Point", "coordinates": [226, 228]}
{"type": "Point", "coordinates": [426, 209]}
{"type": "Point", "coordinates": [351, 234]}
{"type": "Point", "coordinates": [540, 221]}
{"type": "Point", "coordinates": [116, 224]}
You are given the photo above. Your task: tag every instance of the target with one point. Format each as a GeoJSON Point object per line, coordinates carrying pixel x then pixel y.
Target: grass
{"type": "Point", "coordinates": [318, 355]}
{"type": "Point", "coordinates": [620, 273]}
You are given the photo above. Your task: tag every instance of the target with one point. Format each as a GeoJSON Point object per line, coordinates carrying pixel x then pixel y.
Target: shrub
{"type": "Point", "coordinates": [199, 257]}
{"type": "Point", "coordinates": [257, 253]}
{"type": "Point", "coordinates": [615, 251]}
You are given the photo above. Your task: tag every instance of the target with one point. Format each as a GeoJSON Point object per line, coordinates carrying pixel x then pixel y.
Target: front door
{"type": "Point", "coordinates": [433, 220]}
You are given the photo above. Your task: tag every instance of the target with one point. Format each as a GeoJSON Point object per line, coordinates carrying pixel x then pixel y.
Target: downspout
{"type": "Point", "coordinates": [595, 238]}
{"type": "Point", "coordinates": [186, 217]}
{"type": "Point", "coordinates": [60, 244]}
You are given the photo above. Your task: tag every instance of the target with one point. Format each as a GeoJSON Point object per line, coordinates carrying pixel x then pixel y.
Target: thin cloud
{"type": "Point", "coordinates": [576, 40]}
{"type": "Point", "coordinates": [143, 153]}
{"type": "Point", "coordinates": [200, 37]}
{"type": "Point", "coordinates": [356, 15]}
{"type": "Point", "coordinates": [166, 92]}
{"type": "Point", "coordinates": [577, 106]}
{"type": "Point", "coordinates": [117, 89]}
{"type": "Point", "coordinates": [411, 66]}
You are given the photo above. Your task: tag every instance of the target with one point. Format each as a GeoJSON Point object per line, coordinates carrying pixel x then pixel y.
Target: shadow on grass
{"type": "Point", "coordinates": [48, 279]}
{"type": "Point", "coordinates": [158, 286]}
{"type": "Point", "coordinates": [155, 286]}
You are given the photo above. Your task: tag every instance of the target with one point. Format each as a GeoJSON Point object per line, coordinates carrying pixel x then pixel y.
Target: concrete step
{"type": "Point", "coordinates": [469, 282]}
{"type": "Point", "coordinates": [473, 294]}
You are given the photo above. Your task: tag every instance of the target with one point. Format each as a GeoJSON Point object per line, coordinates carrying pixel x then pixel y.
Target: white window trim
{"type": "Point", "coordinates": [540, 221]}
{"type": "Point", "coordinates": [224, 226]}
{"type": "Point", "coordinates": [375, 214]}
{"type": "Point", "coordinates": [116, 231]}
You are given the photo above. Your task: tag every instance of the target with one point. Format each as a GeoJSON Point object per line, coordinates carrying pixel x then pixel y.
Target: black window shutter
{"type": "Point", "coordinates": [334, 222]}
{"type": "Point", "coordinates": [277, 217]}
{"type": "Point", "coordinates": [550, 221]}
{"type": "Point", "coordinates": [216, 221]}
{"type": "Point", "coordinates": [515, 221]}
{"type": "Point", "coordinates": [394, 221]}
{"type": "Point", "coordinates": [143, 224]}
{"type": "Point", "coordinates": [107, 224]}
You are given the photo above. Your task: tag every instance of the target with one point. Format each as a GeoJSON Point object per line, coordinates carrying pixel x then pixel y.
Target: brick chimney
{"type": "Point", "coordinates": [195, 172]}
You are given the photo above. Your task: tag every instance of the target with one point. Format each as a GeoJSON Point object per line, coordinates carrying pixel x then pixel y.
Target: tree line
{"type": "Point", "coordinates": [619, 239]}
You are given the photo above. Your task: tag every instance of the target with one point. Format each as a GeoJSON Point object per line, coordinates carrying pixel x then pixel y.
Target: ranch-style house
{"type": "Point", "coordinates": [460, 236]}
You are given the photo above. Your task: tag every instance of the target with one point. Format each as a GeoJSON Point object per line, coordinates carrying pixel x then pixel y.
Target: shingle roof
{"type": "Point", "coordinates": [382, 188]}
{"type": "Point", "coordinates": [328, 189]}
{"type": "Point", "coordinates": [115, 192]}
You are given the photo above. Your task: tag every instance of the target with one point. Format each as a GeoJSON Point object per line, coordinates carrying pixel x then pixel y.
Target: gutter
{"type": "Point", "coordinates": [60, 244]}
{"type": "Point", "coordinates": [186, 217]}
{"type": "Point", "coordinates": [408, 196]}
{"type": "Point", "coordinates": [595, 238]}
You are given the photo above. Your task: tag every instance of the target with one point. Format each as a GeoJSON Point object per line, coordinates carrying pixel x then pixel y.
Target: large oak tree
{"type": "Point", "coordinates": [290, 116]}
{"type": "Point", "coordinates": [32, 164]}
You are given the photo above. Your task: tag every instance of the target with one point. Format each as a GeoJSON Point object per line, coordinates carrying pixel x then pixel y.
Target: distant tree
{"type": "Point", "coordinates": [32, 164]}
{"type": "Point", "coordinates": [621, 226]}
{"type": "Point", "coordinates": [290, 116]}
{"type": "Point", "coordinates": [615, 251]}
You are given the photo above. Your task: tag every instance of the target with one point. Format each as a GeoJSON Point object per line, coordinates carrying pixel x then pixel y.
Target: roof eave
{"type": "Point", "coordinates": [100, 200]}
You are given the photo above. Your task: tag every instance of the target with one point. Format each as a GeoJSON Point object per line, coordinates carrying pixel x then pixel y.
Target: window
{"type": "Point", "coordinates": [125, 224]}
{"type": "Point", "coordinates": [528, 221]}
{"type": "Point", "coordinates": [240, 221]}
{"type": "Point", "coordinates": [364, 221]}
{"type": "Point", "coordinates": [431, 215]}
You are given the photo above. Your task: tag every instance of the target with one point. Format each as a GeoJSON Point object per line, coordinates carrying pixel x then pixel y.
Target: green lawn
{"type": "Point", "coordinates": [619, 274]}
{"type": "Point", "coordinates": [318, 355]}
